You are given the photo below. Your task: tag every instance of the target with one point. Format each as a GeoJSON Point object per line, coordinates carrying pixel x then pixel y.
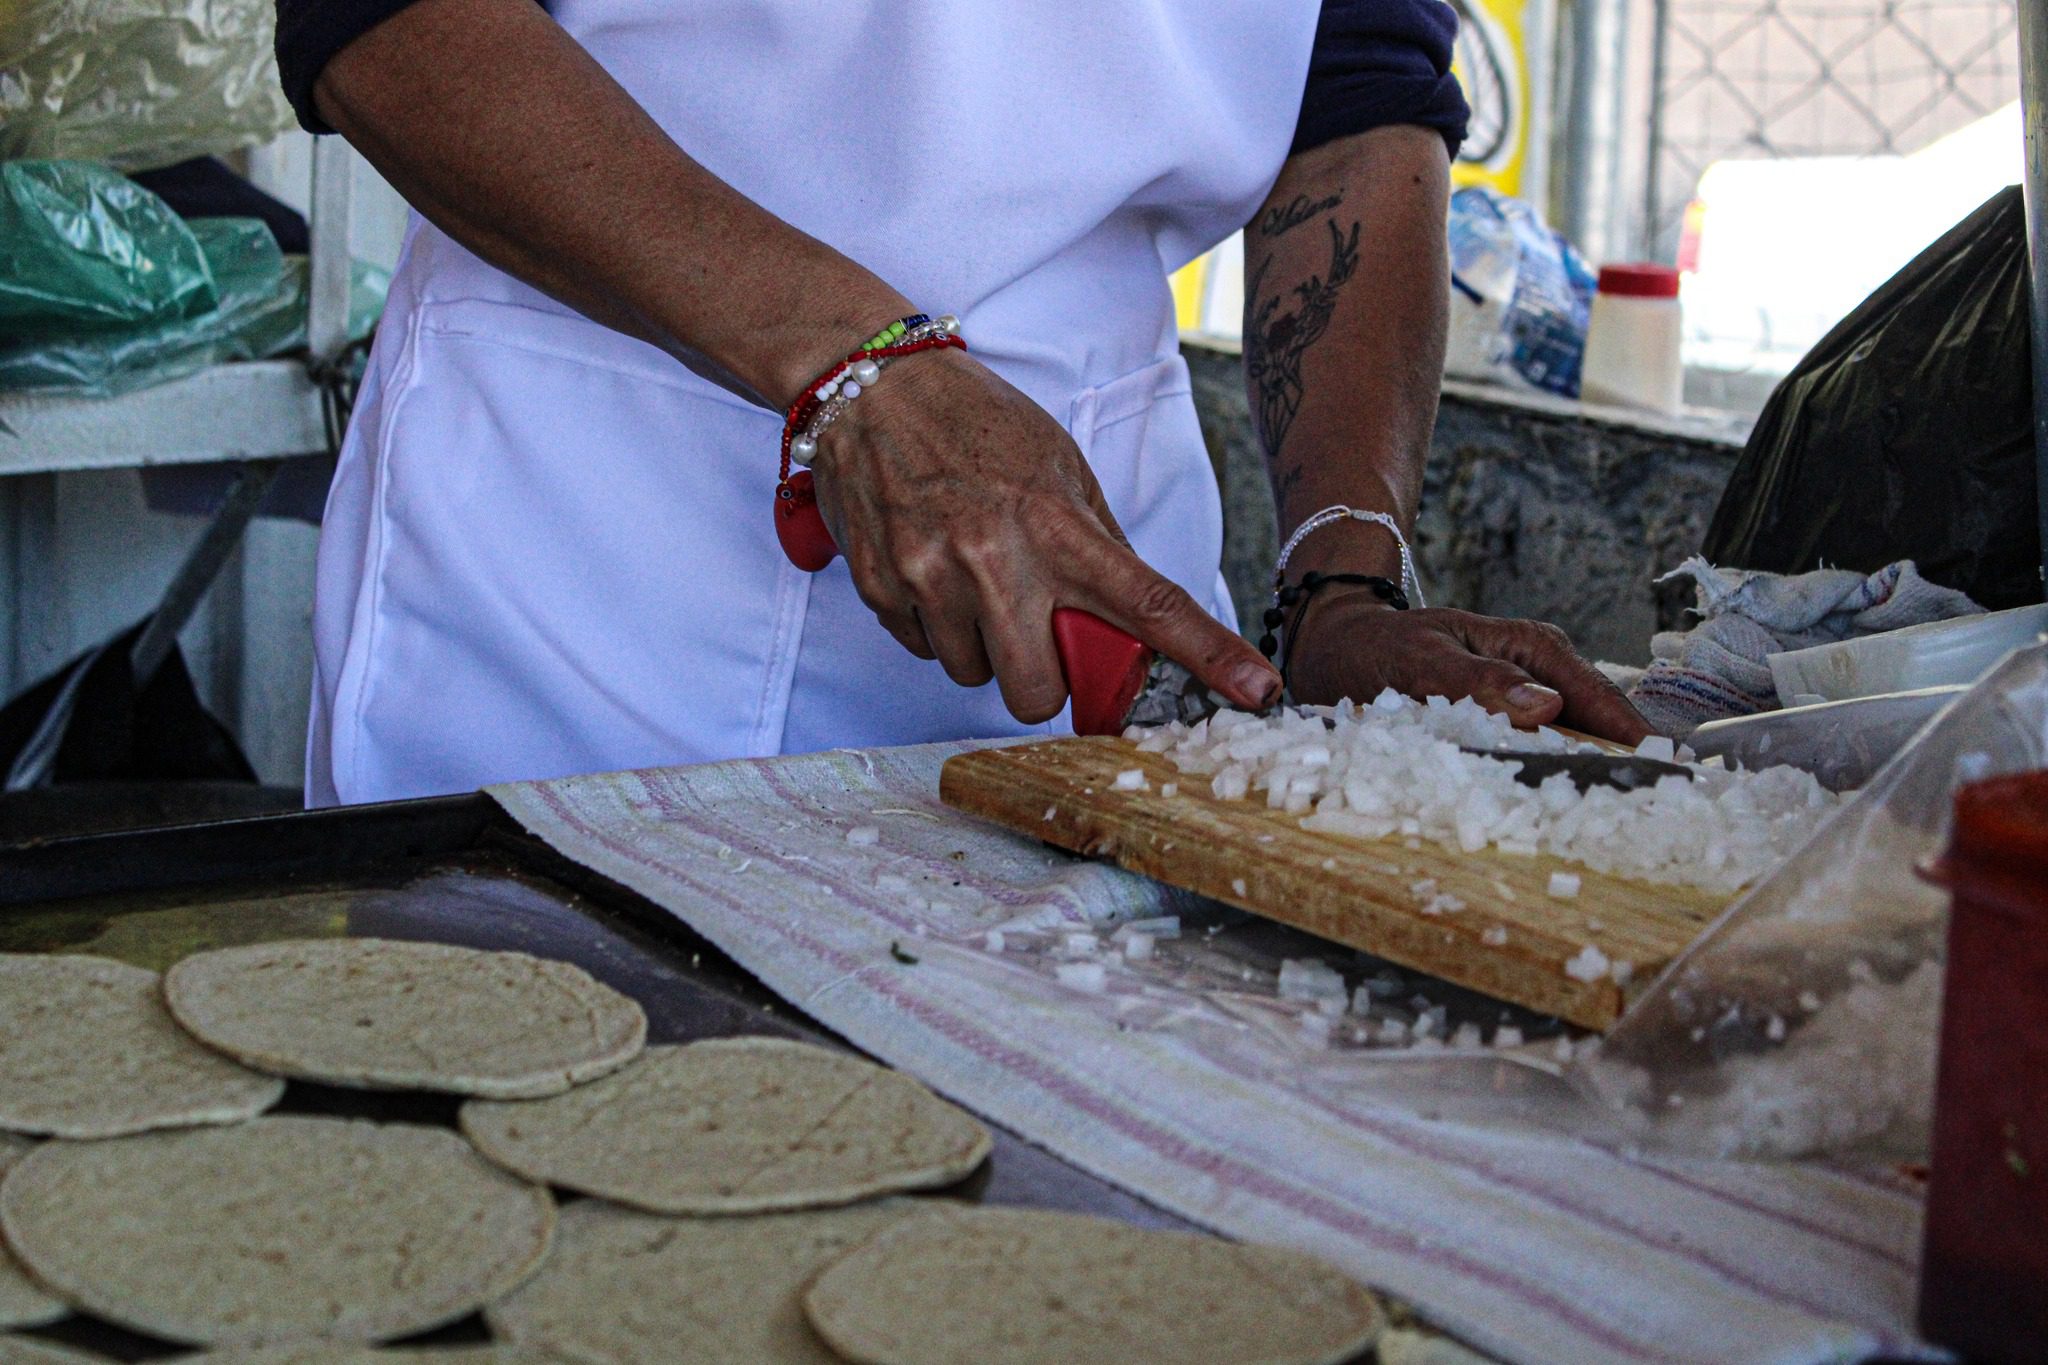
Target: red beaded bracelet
{"type": "Point", "coordinates": [798, 524]}
{"type": "Point", "coordinates": [807, 403]}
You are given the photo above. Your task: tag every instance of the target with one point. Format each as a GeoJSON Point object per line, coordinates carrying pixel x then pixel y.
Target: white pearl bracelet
{"type": "Point", "coordinates": [837, 393]}
{"type": "Point", "coordinates": [1330, 516]}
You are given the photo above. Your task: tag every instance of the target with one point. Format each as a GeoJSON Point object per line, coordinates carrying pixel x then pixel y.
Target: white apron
{"type": "Point", "coordinates": [548, 548]}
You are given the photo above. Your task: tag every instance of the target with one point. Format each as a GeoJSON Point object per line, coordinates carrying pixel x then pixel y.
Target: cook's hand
{"type": "Point", "coordinates": [1348, 643]}
{"type": "Point", "coordinates": [966, 514]}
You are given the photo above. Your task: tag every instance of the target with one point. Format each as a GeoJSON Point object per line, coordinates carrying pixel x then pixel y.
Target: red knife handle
{"type": "Point", "coordinates": [1105, 669]}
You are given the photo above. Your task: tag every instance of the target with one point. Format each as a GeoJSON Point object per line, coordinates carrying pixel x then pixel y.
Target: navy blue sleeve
{"type": "Point", "coordinates": [1375, 63]}
{"type": "Point", "coordinates": [1378, 63]}
{"type": "Point", "coordinates": [309, 33]}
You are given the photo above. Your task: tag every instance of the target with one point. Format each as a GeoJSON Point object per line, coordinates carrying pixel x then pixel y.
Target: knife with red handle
{"type": "Point", "coordinates": [1114, 678]}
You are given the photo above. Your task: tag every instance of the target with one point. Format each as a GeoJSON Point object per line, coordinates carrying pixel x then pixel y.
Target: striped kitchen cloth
{"type": "Point", "coordinates": [931, 940]}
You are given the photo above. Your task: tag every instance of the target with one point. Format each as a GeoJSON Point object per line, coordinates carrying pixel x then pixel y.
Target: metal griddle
{"type": "Point", "coordinates": [453, 870]}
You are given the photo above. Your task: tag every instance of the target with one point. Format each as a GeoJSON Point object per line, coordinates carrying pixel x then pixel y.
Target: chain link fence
{"type": "Point", "coordinates": [1802, 78]}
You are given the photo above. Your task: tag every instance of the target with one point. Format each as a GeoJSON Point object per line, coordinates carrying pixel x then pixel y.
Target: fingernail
{"type": "Point", "coordinates": [1255, 683]}
{"type": "Point", "coordinates": [1527, 696]}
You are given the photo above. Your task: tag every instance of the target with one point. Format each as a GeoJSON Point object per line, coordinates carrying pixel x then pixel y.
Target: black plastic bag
{"type": "Point", "coordinates": [159, 731]}
{"type": "Point", "coordinates": [1907, 431]}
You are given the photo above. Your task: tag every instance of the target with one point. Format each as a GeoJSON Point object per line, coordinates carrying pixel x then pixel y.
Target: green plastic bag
{"type": "Point", "coordinates": [104, 289]}
{"type": "Point", "coordinates": [84, 248]}
{"type": "Point", "coordinates": [261, 312]}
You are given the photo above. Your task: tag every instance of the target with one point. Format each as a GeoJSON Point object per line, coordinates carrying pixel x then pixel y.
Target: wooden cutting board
{"type": "Point", "coordinates": [1367, 894]}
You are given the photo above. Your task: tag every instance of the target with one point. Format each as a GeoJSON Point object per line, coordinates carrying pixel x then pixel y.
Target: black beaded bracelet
{"type": "Point", "coordinates": [1297, 597]}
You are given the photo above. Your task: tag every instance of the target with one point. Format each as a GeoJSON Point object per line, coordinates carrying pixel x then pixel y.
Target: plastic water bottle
{"type": "Point", "coordinates": [1632, 355]}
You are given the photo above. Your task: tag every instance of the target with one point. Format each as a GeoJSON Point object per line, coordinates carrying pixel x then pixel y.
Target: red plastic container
{"type": "Point", "coordinates": [1984, 1264]}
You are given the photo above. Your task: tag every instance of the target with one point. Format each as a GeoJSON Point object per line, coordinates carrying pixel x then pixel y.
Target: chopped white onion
{"type": "Point", "coordinates": [1158, 927]}
{"type": "Point", "coordinates": [1590, 965]}
{"type": "Point", "coordinates": [1397, 769]}
{"type": "Point", "coordinates": [1305, 978]}
{"type": "Point", "coordinates": [1081, 976]}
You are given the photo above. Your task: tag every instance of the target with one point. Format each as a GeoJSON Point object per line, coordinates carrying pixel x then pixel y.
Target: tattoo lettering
{"type": "Point", "coordinates": [1275, 342]}
{"type": "Point", "coordinates": [1281, 217]}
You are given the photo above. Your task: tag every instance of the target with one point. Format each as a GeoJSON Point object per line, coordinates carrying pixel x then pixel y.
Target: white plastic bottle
{"type": "Point", "coordinates": [1632, 344]}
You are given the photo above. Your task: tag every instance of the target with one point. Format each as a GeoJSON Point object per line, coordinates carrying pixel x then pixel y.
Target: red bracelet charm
{"type": "Point", "coordinates": [798, 524]}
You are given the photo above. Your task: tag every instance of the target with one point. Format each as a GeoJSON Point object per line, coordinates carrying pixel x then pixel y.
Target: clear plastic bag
{"type": "Point", "coordinates": [1520, 298]}
{"type": "Point", "coordinates": [84, 248]}
{"type": "Point", "coordinates": [1805, 1021]}
{"type": "Point", "coordinates": [137, 83]}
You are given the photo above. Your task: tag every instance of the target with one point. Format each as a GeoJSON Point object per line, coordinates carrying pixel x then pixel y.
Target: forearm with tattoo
{"type": "Point", "coordinates": [1344, 332]}
{"type": "Point", "coordinates": [1275, 342]}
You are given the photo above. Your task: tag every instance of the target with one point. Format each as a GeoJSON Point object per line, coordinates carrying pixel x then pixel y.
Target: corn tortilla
{"type": "Point", "coordinates": [87, 1050]}
{"type": "Point", "coordinates": [1030, 1287]}
{"type": "Point", "coordinates": [29, 1351]}
{"type": "Point", "coordinates": [401, 1015]}
{"type": "Point", "coordinates": [735, 1125]}
{"type": "Point", "coordinates": [622, 1285]}
{"type": "Point", "coordinates": [337, 1353]}
{"type": "Point", "coordinates": [23, 1302]}
{"type": "Point", "coordinates": [275, 1230]}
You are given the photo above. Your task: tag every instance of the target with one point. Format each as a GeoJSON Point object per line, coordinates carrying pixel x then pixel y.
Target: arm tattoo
{"type": "Point", "coordinates": [1275, 342]}
{"type": "Point", "coordinates": [1294, 213]}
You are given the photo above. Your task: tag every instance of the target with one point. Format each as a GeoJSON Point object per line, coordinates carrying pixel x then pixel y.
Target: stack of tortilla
{"type": "Point", "coordinates": [733, 1200]}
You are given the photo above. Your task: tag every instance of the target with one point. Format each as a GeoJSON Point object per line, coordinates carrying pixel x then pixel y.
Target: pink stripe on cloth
{"type": "Point", "coordinates": [1891, 1255]}
{"type": "Point", "coordinates": [1024, 1066]}
{"type": "Point", "coordinates": [1475, 1163]}
{"type": "Point", "coordinates": [1539, 1249]}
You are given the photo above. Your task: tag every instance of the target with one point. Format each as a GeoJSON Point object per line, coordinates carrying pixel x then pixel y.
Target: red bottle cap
{"type": "Point", "coordinates": [1639, 280]}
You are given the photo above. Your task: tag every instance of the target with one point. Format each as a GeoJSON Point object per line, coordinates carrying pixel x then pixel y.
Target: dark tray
{"type": "Point", "coordinates": [454, 870]}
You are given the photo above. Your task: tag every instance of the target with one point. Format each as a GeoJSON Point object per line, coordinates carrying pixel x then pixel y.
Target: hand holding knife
{"type": "Point", "coordinates": [1113, 678]}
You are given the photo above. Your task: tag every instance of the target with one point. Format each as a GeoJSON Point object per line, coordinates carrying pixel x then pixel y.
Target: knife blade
{"type": "Point", "coordinates": [1624, 772]}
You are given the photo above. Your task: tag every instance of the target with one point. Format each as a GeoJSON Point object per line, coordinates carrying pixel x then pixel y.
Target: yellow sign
{"type": "Point", "coordinates": [1493, 63]}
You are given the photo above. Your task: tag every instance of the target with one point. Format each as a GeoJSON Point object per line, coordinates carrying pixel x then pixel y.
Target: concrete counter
{"type": "Point", "coordinates": [1532, 507]}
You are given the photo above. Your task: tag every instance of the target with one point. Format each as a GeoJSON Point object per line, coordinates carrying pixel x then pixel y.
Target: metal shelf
{"type": "Point", "coordinates": [260, 409]}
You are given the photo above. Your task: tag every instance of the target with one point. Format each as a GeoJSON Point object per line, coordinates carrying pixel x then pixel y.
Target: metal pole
{"type": "Point", "coordinates": [1591, 212]}
{"type": "Point", "coordinates": [1540, 40]}
{"type": "Point", "coordinates": [203, 563]}
{"type": "Point", "coordinates": [1652, 228]}
{"type": "Point", "coordinates": [2034, 107]}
